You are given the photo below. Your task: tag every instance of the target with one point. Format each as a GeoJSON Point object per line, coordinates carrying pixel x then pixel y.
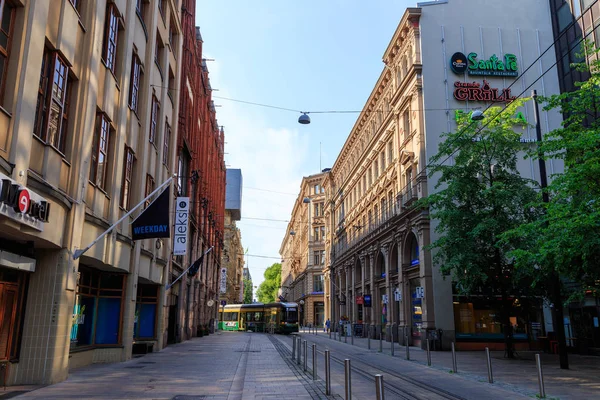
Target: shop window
{"type": "Point", "coordinates": [7, 13]}
{"type": "Point", "coordinates": [98, 308]}
{"type": "Point", "coordinates": [146, 312]}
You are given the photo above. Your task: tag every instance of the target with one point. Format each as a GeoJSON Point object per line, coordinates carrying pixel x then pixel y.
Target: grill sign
{"type": "Point", "coordinates": [22, 205]}
{"type": "Point", "coordinates": [474, 91]}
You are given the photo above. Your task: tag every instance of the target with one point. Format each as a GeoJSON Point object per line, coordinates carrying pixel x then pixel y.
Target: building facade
{"type": "Point", "coordinates": [303, 253]}
{"type": "Point", "coordinates": [572, 22]}
{"type": "Point", "coordinates": [91, 143]}
{"type": "Point", "coordinates": [378, 267]}
{"type": "Point", "coordinates": [231, 286]}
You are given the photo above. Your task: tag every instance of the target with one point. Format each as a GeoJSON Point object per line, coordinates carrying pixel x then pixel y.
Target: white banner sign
{"type": "Point", "coordinates": [420, 292]}
{"type": "Point", "coordinates": [223, 280]}
{"type": "Point", "coordinates": [182, 212]}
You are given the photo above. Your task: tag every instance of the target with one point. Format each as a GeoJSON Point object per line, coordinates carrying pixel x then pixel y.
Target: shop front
{"type": "Point", "coordinates": [13, 284]}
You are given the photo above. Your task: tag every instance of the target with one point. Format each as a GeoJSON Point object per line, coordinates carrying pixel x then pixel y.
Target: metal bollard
{"type": "Point", "coordinates": [348, 379]}
{"type": "Point", "coordinates": [428, 354]}
{"type": "Point", "coordinates": [379, 395]}
{"type": "Point", "coordinates": [407, 346]}
{"type": "Point", "coordinates": [381, 339]}
{"type": "Point", "coordinates": [327, 374]}
{"type": "Point", "coordinates": [314, 367]}
{"type": "Point", "coordinates": [489, 365]}
{"type": "Point", "coordinates": [340, 335]}
{"type": "Point", "coordinates": [293, 347]}
{"type": "Point", "coordinates": [305, 346]}
{"type": "Point", "coordinates": [298, 353]}
{"type": "Point", "coordinates": [454, 369]}
{"type": "Point", "coordinates": [540, 376]}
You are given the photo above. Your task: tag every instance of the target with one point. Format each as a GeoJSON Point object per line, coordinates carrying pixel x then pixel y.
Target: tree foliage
{"type": "Point", "coordinates": [267, 291]}
{"type": "Point", "coordinates": [566, 238]}
{"type": "Point", "coordinates": [247, 291]}
{"type": "Point", "coordinates": [480, 196]}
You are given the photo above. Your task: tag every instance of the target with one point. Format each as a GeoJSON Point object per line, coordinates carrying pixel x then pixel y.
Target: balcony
{"type": "Point", "coordinates": [355, 234]}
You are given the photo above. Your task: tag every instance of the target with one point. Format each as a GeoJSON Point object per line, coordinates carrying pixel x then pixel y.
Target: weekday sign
{"type": "Point", "coordinates": [153, 222]}
{"type": "Point", "coordinates": [181, 226]}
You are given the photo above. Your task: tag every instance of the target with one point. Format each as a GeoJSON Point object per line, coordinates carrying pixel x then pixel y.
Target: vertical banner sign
{"type": "Point", "coordinates": [223, 280]}
{"type": "Point", "coordinates": [182, 211]}
{"type": "Point", "coordinates": [153, 222]}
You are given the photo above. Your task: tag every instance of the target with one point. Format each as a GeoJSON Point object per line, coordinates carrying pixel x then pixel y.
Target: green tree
{"type": "Point", "coordinates": [267, 291]}
{"type": "Point", "coordinates": [247, 291]}
{"type": "Point", "coordinates": [481, 196]}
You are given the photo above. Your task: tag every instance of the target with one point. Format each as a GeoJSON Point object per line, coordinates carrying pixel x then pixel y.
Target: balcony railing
{"type": "Point", "coordinates": [355, 233]}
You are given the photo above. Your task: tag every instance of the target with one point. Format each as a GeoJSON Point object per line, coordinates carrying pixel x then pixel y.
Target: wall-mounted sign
{"type": "Point", "coordinates": [384, 299]}
{"type": "Point", "coordinates": [223, 280]}
{"type": "Point", "coordinates": [398, 294]}
{"type": "Point", "coordinates": [475, 91]}
{"type": "Point", "coordinates": [367, 298]}
{"type": "Point", "coordinates": [419, 292]}
{"type": "Point", "coordinates": [180, 237]}
{"type": "Point", "coordinates": [458, 63]}
{"type": "Point", "coordinates": [23, 205]}
{"type": "Point", "coordinates": [360, 300]}
{"type": "Point", "coordinates": [493, 66]}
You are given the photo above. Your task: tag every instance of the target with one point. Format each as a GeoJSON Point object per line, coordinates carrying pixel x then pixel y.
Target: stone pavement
{"type": "Point", "coordinates": [226, 365]}
{"type": "Point", "coordinates": [581, 381]}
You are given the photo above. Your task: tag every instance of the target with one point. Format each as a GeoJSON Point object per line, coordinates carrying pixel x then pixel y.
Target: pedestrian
{"type": "Point", "coordinates": [327, 325]}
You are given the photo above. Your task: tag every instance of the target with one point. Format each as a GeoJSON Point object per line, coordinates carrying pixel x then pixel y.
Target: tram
{"type": "Point", "coordinates": [260, 317]}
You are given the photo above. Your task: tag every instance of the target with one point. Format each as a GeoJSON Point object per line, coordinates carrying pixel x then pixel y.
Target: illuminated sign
{"type": "Point", "coordinates": [22, 205]}
{"type": "Point", "coordinates": [493, 66]}
{"type": "Point", "coordinates": [474, 91]}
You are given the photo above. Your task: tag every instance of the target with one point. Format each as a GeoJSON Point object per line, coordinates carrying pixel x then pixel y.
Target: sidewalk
{"type": "Point", "coordinates": [581, 381]}
{"type": "Point", "coordinates": [226, 365]}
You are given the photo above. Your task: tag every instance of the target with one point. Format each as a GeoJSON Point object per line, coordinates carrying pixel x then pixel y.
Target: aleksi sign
{"type": "Point", "coordinates": [493, 66]}
{"type": "Point", "coordinates": [474, 91]}
{"type": "Point", "coordinates": [181, 226]}
{"type": "Point", "coordinates": [22, 205]}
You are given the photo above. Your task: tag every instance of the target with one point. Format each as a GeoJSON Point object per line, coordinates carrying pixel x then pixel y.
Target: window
{"type": "Point", "coordinates": [390, 152]}
{"type": "Point", "coordinates": [317, 258]}
{"type": "Point", "coordinates": [154, 119]}
{"type": "Point", "coordinates": [383, 209]}
{"type": "Point", "coordinates": [51, 116]}
{"type": "Point", "coordinates": [322, 257]}
{"type": "Point", "coordinates": [323, 233]}
{"type": "Point", "coordinates": [149, 187]}
{"type": "Point", "coordinates": [7, 13]}
{"type": "Point", "coordinates": [100, 152]}
{"type": "Point", "coordinates": [171, 85]}
{"type": "Point", "coordinates": [127, 175]}
{"type": "Point", "coordinates": [144, 326]}
{"type": "Point", "coordinates": [182, 173]}
{"type": "Point", "coordinates": [134, 91]}
{"type": "Point", "coordinates": [318, 283]}
{"type": "Point", "coordinates": [322, 189]}
{"type": "Point", "coordinates": [316, 209]}
{"type": "Point", "coordinates": [406, 120]}
{"type": "Point", "coordinates": [316, 233]}
{"type": "Point", "coordinates": [98, 308]}
{"type": "Point", "coordinates": [316, 189]}
{"type": "Point", "coordinates": [586, 4]}
{"type": "Point", "coordinates": [161, 8]}
{"type": "Point", "coordinates": [111, 30]}
{"type": "Point", "coordinates": [564, 17]}
{"type": "Point", "coordinates": [158, 52]}
{"type": "Point", "coordinates": [166, 144]}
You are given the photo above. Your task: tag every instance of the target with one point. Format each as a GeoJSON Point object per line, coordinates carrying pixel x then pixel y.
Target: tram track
{"type": "Point", "coordinates": [396, 385]}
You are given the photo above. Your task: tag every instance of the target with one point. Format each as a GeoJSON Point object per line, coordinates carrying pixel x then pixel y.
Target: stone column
{"type": "Point", "coordinates": [372, 287]}
{"type": "Point", "coordinates": [388, 306]}
{"type": "Point", "coordinates": [353, 299]}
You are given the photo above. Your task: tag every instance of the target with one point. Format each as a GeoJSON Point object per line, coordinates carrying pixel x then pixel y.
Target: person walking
{"type": "Point", "coordinates": [327, 325]}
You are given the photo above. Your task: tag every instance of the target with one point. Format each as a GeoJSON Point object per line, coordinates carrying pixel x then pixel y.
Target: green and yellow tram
{"type": "Point", "coordinates": [259, 317]}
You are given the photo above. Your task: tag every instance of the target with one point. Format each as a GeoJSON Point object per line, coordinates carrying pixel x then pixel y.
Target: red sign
{"type": "Point", "coordinates": [23, 200]}
{"type": "Point", "coordinates": [359, 300]}
{"type": "Point", "coordinates": [474, 91]}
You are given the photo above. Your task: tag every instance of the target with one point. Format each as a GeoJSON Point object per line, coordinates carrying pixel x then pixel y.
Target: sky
{"type": "Point", "coordinates": [302, 55]}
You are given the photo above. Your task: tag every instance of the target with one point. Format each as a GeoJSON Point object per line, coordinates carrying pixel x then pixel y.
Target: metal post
{"type": "Point", "coordinates": [379, 395]}
{"type": "Point", "coordinates": [305, 347]}
{"type": "Point", "coordinates": [352, 332]}
{"type": "Point", "coordinates": [293, 347]}
{"type": "Point", "coordinates": [381, 339]}
{"type": "Point", "coordinates": [454, 369]}
{"type": "Point", "coordinates": [298, 353]}
{"type": "Point", "coordinates": [327, 374]}
{"type": "Point", "coordinates": [348, 379]}
{"type": "Point", "coordinates": [314, 367]}
{"type": "Point", "coordinates": [428, 354]}
{"type": "Point", "coordinates": [345, 333]}
{"type": "Point", "coordinates": [392, 341]}
{"type": "Point", "coordinates": [329, 333]}
{"type": "Point", "coordinates": [340, 333]}
{"type": "Point", "coordinates": [406, 344]}
{"type": "Point", "coordinates": [540, 376]}
{"type": "Point", "coordinates": [489, 365]}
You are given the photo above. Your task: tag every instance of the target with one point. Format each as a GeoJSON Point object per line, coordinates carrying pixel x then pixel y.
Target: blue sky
{"type": "Point", "coordinates": [303, 55]}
